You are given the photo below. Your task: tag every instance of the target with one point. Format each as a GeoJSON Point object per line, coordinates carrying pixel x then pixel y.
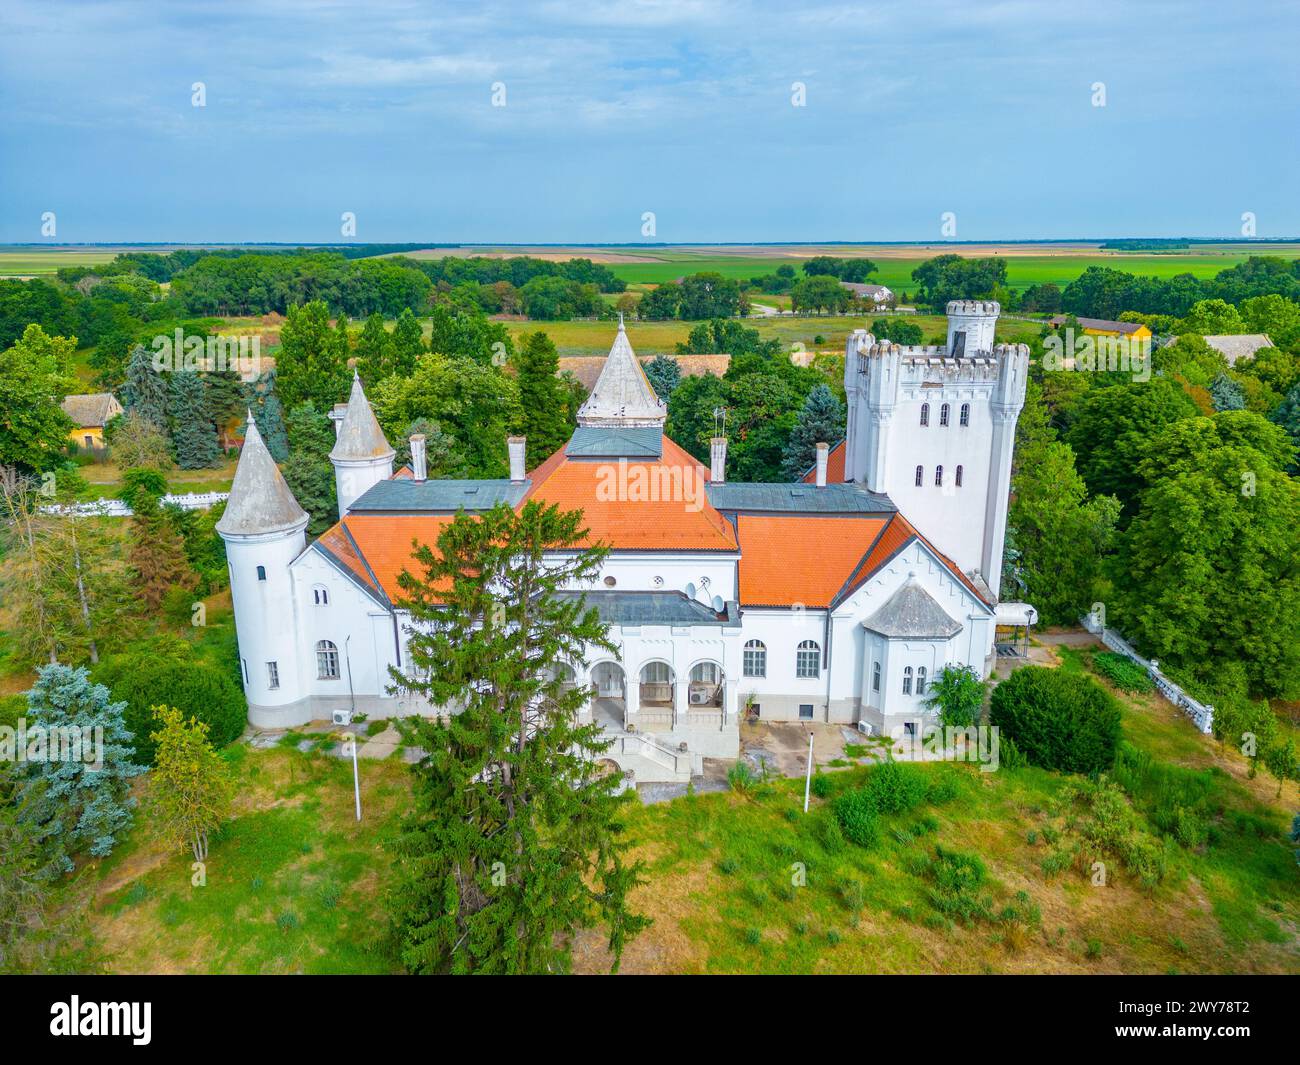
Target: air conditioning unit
{"type": "Point", "coordinates": [341, 717]}
{"type": "Point", "coordinates": [866, 728]}
{"type": "Point", "coordinates": [699, 696]}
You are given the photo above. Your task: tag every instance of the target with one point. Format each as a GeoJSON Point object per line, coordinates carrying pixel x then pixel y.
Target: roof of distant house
{"type": "Point", "coordinates": [1239, 345]}
{"type": "Point", "coordinates": [92, 410]}
{"type": "Point", "coordinates": [860, 289]}
{"type": "Point", "coordinates": [586, 368]}
{"type": "Point", "coordinates": [1099, 323]}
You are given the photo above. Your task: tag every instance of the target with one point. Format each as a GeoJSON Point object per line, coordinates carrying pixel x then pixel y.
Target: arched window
{"type": "Point", "coordinates": [656, 673]}
{"type": "Point", "coordinates": [755, 659]}
{"type": "Point", "coordinates": [808, 660]}
{"type": "Point", "coordinates": [938, 477]}
{"type": "Point", "coordinates": [261, 573]}
{"type": "Point", "coordinates": [965, 414]}
{"type": "Point", "coordinates": [875, 677]}
{"type": "Point", "coordinates": [925, 414]}
{"type": "Point", "coordinates": [320, 595]}
{"type": "Point", "coordinates": [920, 476]}
{"type": "Point", "coordinates": [920, 680]}
{"type": "Point", "coordinates": [943, 415]}
{"type": "Point", "coordinates": [327, 661]}
{"type": "Point", "coordinates": [958, 476]}
{"type": "Point", "coordinates": [907, 680]}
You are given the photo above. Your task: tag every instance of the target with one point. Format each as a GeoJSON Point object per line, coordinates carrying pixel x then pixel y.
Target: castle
{"type": "Point", "coordinates": [837, 598]}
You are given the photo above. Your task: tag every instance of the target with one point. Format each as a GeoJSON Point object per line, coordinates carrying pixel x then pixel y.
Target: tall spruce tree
{"type": "Point", "coordinates": [156, 553]}
{"type": "Point", "coordinates": [268, 413]}
{"type": "Point", "coordinates": [193, 433]}
{"type": "Point", "coordinates": [406, 345]}
{"type": "Point", "coordinates": [80, 805]}
{"type": "Point", "coordinates": [545, 419]}
{"type": "Point", "coordinates": [311, 364]}
{"type": "Point", "coordinates": [514, 838]}
{"type": "Point", "coordinates": [308, 470]}
{"type": "Point", "coordinates": [146, 392]}
{"type": "Point", "coordinates": [664, 374]}
{"type": "Point", "coordinates": [820, 421]}
{"type": "Point", "coordinates": [373, 350]}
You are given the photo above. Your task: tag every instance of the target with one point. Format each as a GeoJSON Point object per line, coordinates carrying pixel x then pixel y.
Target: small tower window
{"type": "Point", "coordinates": [958, 476]}
{"type": "Point", "coordinates": [965, 414]}
{"type": "Point", "coordinates": [907, 680]}
{"type": "Point", "coordinates": [920, 476]}
{"type": "Point", "coordinates": [327, 660]}
{"type": "Point", "coordinates": [808, 660]}
{"type": "Point", "coordinates": [925, 414]}
{"type": "Point", "coordinates": [920, 680]}
{"type": "Point", "coordinates": [272, 675]}
{"type": "Point", "coordinates": [875, 677]}
{"type": "Point", "coordinates": [943, 415]}
{"type": "Point", "coordinates": [261, 573]}
{"type": "Point", "coordinates": [243, 665]}
{"type": "Point", "coordinates": [938, 477]}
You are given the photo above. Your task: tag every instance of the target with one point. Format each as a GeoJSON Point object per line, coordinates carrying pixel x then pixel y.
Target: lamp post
{"type": "Point", "coordinates": [351, 738]}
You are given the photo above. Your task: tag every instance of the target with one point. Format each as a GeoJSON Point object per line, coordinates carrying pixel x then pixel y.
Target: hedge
{"type": "Point", "coordinates": [1058, 720]}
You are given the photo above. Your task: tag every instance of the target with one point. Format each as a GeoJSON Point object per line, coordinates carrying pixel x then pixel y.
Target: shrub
{"type": "Point", "coordinates": [167, 672]}
{"type": "Point", "coordinates": [895, 787]}
{"type": "Point", "coordinates": [741, 778]}
{"type": "Point", "coordinates": [942, 788]}
{"type": "Point", "coordinates": [821, 785]}
{"type": "Point", "coordinates": [1057, 720]}
{"type": "Point", "coordinates": [829, 833]}
{"type": "Point", "coordinates": [1122, 672]}
{"type": "Point", "coordinates": [957, 880]}
{"type": "Point", "coordinates": [856, 812]}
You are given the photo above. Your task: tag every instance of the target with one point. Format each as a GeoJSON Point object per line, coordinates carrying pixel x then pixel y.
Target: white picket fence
{"type": "Point", "coordinates": [1201, 714]}
{"type": "Point", "coordinates": [115, 508]}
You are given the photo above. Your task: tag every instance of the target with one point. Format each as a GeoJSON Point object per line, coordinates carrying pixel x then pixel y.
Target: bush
{"type": "Point", "coordinates": [958, 879]}
{"type": "Point", "coordinates": [894, 787]}
{"type": "Point", "coordinates": [167, 672]}
{"type": "Point", "coordinates": [1057, 720]}
{"type": "Point", "coordinates": [1122, 672]}
{"type": "Point", "coordinates": [821, 785]}
{"type": "Point", "coordinates": [856, 812]}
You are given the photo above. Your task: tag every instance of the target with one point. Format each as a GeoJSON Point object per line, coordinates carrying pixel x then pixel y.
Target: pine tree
{"type": "Point", "coordinates": [513, 842]}
{"type": "Point", "coordinates": [407, 344]}
{"type": "Point", "coordinates": [1288, 417]}
{"type": "Point", "coordinates": [441, 459]}
{"type": "Point", "coordinates": [373, 350]}
{"type": "Point", "coordinates": [665, 374]}
{"type": "Point", "coordinates": [80, 805]}
{"type": "Point", "coordinates": [156, 553]}
{"type": "Point", "coordinates": [1227, 394]}
{"type": "Point", "coordinates": [310, 364]}
{"type": "Point", "coordinates": [145, 392]}
{"type": "Point", "coordinates": [193, 434]}
{"type": "Point", "coordinates": [269, 415]}
{"type": "Point", "coordinates": [821, 421]}
{"type": "Point", "coordinates": [191, 787]}
{"type": "Point", "coordinates": [223, 400]}
{"type": "Point", "coordinates": [308, 470]}
{"type": "Point", "coordinates": [542, 398]}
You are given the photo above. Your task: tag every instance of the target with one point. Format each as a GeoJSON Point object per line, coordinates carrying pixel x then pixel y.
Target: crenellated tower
{"type": "Point", "coordinates": [934, 427]}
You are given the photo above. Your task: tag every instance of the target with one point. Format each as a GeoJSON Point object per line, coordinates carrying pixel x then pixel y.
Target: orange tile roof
{"type": "Point", "coordinates": [899, 532]}
{"type": "Point", "coordinates": [834, 467]}
{"type": "Point", "coordinates": [385, 544]}
{"type": "Point", "coordinates": [793, 559]}
{"type": "Point", "coordinates": [656, 505]}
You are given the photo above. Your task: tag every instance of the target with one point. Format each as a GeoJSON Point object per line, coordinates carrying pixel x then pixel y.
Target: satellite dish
{"type": "Point", "coordinates": [690, 590]}
{"type": "Point", "coordinates": [718, 605]}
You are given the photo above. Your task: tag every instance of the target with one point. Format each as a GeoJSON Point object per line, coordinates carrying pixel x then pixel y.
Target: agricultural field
{"type": "Point", "coordinates": [296, 885]}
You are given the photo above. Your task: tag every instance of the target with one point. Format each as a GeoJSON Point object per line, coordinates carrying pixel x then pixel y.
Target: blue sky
{"type": "Point", "coordinates": [681, 108]}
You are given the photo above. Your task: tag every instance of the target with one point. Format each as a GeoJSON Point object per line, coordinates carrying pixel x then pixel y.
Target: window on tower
{"type": "Point", "coordinates": [958, 476]}
{"type": "Point", "coordinates": [261, 573]}
{"type": "Point", "coordinates": [272, 675]}
{"type": "Point", "coordinates": [327, 660]}
{"type": "Point", "coordinates": [943, 416]}
{"type": "Point", "coordinates": [938, 477]}
{"type": "Point", "coordinates": [920, 476]}
{"type": "Point", "coordinates": [965, 414]}
{"type": "Point", "coordinates": [925, 414]}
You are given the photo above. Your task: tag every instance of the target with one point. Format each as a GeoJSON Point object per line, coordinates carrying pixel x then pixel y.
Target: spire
{"type": "Point", "coordinates": [622, 394]}
{"type": "Point", "coordinates": [360, 437]}
{"type": "Point", "coordinates": [260, 500]}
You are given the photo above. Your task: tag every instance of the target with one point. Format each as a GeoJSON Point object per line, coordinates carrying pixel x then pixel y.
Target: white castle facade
{"type": "Point", "coordinates": [834, 599]}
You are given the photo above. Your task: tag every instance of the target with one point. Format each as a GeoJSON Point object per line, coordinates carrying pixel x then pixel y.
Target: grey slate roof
{"type": "Point", "coordinates": [653, 608]}
{"type": "Point", "coordinates": [260, 500]}
{"type": "Point", "coordinates": [912, 612]}
{"type": "Point", "coordinates": [92, 410]}
{"type": "Point", "coordinates": [591, 441]}
{"type": "Point", "coordinates": [360, 436]}
{"type": "Point", "coordinates": [622, 394]}
{"type": "Point", "coordinates": [403, 495]}
{"type": "Point", "coordinates": [1238, 346]}
{"type": "Point", "coordinates": [798, 498]}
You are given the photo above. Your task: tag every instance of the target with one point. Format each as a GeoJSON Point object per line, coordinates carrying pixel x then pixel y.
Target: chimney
{"type": "Point", "coordinates": [718, 459]}
{"type": "Point", "coordinates": [516, 447]}
{"type": "Point", "coordinates": [823, 453]}
{"type": "Point", "coordinates": [419, 463]}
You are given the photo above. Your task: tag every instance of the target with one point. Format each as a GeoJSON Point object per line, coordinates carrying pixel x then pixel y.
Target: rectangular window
{"type": "Point", "coordinates": [808, 662]}
{"type": "Point", "coordinates": [959, 344]}
{"type": "Point", "coordinates": [272, 675]}
{"type": "Point", "coordinates": [243, 665]}
{"type": "Point", "coordinates": [875, 677]}
{"type": "Point", "coordinates": [755, 662]}
{"type": "Point", "coordinates": [805, 711]}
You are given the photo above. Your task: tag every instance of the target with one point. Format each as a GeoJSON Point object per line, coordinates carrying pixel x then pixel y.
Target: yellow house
{"type": "Point", "coordinates": [1099, 327]}
{"type": "Point", "coordinates": [89, 414]}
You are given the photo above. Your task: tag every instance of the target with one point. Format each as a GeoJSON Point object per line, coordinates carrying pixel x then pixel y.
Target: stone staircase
{"type": "Point", "coordinates": [647, 761]}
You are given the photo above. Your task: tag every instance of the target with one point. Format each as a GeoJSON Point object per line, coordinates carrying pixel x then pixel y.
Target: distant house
{"type": "Point", "coordinates": [89, 414]}
{"type": "Point", "coordinates": [586, 368]}
{"type": "Point", "coordinates": [1239, 345]}
{"type": "Point", "coordinates": [877, 294]}
{"type": "Point", "coordinates": [1099, 327]}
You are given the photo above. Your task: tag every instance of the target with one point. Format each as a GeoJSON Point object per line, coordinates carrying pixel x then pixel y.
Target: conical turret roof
{"type": "Point", "coordinates": [622, 395]}
{"type": "Point", "coordinates": [260, 500]}
{"type": "Point", "coordinates": [360, 436]}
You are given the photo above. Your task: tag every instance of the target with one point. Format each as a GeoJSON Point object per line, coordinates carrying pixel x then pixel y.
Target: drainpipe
{"type": "Point", "coordinates": [348, 657]}
{"type": "Point", "coordinates": [826, 638]}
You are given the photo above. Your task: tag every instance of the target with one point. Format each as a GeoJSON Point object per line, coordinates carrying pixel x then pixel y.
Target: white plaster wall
{"type": "Point", "coordinates": [352, 479]}
{"type": "Point", "coordinates": [265, 616]}
{"type": "Point", "coordinates": [703, 576]}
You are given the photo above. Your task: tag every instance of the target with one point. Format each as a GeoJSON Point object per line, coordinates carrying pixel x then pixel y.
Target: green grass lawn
{"type": "Point", "coordinates": [745, 882]}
